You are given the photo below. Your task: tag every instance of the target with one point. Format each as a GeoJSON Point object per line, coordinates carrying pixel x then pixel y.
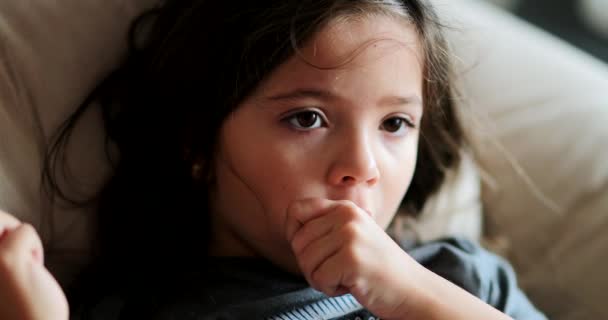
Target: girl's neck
{"type": "Point", "coordinates": [225, 243]}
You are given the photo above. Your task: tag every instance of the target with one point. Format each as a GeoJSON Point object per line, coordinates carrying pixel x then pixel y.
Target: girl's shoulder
{"type": "Point", "coordinates": [479, 271]}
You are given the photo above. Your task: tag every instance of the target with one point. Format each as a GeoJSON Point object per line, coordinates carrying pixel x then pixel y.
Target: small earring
{"type": "Point", "coordinates": [196, 171]}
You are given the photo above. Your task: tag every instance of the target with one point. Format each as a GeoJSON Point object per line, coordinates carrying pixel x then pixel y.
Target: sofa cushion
{"type": "Point", "coordinates": [51, 55]}
{"type": "Point", "coordinates": [537, 111]}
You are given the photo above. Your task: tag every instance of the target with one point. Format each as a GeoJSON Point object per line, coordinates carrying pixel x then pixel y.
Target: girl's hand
{"type": "Point", "coordinates": [27, 290]}
{"type": "Point", "coordinates": [341, 249]}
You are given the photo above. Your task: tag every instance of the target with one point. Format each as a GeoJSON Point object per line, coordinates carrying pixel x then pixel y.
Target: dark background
{"type": "Point", "coordinates": [564, 19]}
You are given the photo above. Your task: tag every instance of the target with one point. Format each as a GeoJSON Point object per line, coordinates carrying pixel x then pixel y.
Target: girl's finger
{"type": "Point", "coordinates": [330, 276]}
{"type": "Point", "coordinates": [7, 222]}
{"type": "Point", "coordinates": [301, 211]}
{"type": "Point", "coordinates": [22, 240]}
{"type": "Point", "coordinates": [312, 230]}
{"type": "Point", "coordinates": [7, 219]}
{"type": "Point", "coordinates": [319, 250]}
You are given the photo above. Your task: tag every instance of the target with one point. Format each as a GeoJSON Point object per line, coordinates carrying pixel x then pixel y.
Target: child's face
{"type": "Point", "coordinates": [339, 133]}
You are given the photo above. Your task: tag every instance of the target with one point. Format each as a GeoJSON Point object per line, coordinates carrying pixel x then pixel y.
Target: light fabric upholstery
{"type": "Point", "coordinates": [52, 53]}
{"type": "Point", "coordinates": [455, 210]}
{"type": "Point", "coordinates": [544, 105]}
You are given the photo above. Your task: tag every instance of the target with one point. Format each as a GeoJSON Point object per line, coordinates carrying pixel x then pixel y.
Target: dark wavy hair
{"type": "Point", "coordinates": [191, 63]}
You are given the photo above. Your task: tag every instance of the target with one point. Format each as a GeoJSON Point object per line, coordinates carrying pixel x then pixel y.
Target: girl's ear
{"type": "Point", "coordinates": [196, 164]}
{"type": "Point", "coordinates": [197, 170]}
{"type": "Point", "coordinates": [200, 169]}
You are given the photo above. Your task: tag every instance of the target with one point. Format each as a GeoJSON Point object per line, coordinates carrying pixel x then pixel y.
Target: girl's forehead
{"type": "Point", "coordinates": [342, 41]}
{"type": "Point", "coordinates": [344, 56]}
{"type": "Point", "coordinates": [356, 59]}
{"type": "Point", "coordinates": [369, 64]}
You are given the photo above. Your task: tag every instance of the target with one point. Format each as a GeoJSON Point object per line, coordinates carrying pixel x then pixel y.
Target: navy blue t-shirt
{"type": "Point", "coordinates": [252, 288]}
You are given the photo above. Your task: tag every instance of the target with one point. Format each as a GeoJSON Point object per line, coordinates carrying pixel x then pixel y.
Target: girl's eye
{"type": "Point", "coordinates": [306, 120]}
{"type": "Point", "coordinates": [396, 124]}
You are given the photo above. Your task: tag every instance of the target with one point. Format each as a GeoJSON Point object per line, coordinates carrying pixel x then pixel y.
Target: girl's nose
{"type": "Point", "coordinates": [354, 163]}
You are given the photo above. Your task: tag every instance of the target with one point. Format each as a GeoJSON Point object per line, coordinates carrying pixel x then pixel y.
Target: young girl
{"type": "Point", "coordinates": [264, 147]}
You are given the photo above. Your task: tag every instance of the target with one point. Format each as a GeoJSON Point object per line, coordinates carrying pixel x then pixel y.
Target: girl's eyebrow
{"type": "Point", "coordinates": [305, 93]}
{"type": "Point", "coordinates": [413, 100]}
{"type": "Point", "coordinates": [326, 95]}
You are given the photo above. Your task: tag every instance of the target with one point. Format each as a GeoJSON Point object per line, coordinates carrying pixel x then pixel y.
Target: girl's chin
{"type": "Point", "coordinates": [289, 265]}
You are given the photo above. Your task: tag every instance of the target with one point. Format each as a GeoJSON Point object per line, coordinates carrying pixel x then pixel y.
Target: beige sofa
{"type": "Point", "coordinates": [535, 107]}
